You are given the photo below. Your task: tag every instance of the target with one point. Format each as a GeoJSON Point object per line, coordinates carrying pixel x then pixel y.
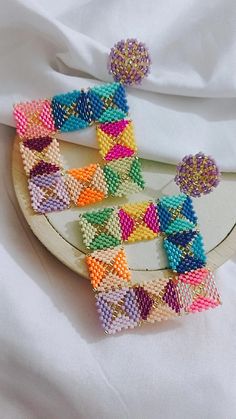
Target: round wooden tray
{"type": "Point", "coordinates": [60, 231]}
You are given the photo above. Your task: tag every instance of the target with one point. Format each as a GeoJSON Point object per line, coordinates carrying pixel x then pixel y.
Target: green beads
{"type": "Point", "coordinates": [124, 176]}
{"type": "Point", "coordinates": [101, 229]}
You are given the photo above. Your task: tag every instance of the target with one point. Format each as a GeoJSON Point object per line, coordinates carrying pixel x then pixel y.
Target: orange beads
{"type": "Point", "coordinates": [86, 185]}
{"type": "Point", "coordinates": [108, 269]}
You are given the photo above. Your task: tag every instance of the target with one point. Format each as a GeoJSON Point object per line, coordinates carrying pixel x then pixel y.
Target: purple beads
{"type": "Point", "coordinates": [129, 62]}
{"type": "Point", "coordinates": [197, 175]}
{"type": "Point", "coordinates": [48, 193]}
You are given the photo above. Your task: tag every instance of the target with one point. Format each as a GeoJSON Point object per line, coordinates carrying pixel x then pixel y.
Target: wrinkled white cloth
{"type": "Point", "coordinates": [188, 102]}
{"type": "Point", "coordinates": [56, 363]}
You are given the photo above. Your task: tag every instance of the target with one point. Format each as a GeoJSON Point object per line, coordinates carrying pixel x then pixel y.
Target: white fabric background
{"type": "Point", "coordinates": [55, 363]}
{"type": "Point", "coordinates": [187, 104]}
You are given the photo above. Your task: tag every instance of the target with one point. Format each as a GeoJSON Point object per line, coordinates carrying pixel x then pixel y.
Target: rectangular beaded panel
{"type": "Point", "coordinates": [112, 226]}
{"type": "Point", "coordinates": [108, 269]}
{"type": "Point", "coordinates": [116, 140]}
{"type": "Point", "coordinates": [143, 220]}
{"type": "Point", "coordinates": [185, 251]}
{"type": "Point", "coordinates": [40, 155]}
{"type": "Point", "coordinates": [161, 299]}
{"type": "Point", "coordinates": [42, 163]}
{"type": "Point", "coordinates": [48, 193]}
{"type": "Point", "coordinates": [124, 176]}
{"type": "Point", "coordinates": [71, 111]}
{"type": "Point", "coordinates": [101, 229]}
{"type": "Point", "coordinates": [86, 185]}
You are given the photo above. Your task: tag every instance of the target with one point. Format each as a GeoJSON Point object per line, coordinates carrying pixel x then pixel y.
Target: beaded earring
{"type": "Point", "coordinates": [129, 62]}
{"type": "Point", "coordinates": [38, 122]}
{"type": "Point", "coordinates": [197, 175]}
{"type": "Point", "coordinates": [37, 125]}
{"type": "Point", "coordinates": [122, 303]}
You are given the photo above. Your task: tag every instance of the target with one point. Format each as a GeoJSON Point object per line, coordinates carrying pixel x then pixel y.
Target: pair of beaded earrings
{"type": "Point", "coordinates": [122, 303]}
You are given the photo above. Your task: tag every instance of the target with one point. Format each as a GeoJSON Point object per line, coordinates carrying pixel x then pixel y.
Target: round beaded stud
{"type": "Point", "coordinates": [129, 62]}
{"type": "Point", "coordinates": [197, 175]}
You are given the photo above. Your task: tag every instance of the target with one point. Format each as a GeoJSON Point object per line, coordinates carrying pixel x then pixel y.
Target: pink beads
{"type": "Point", "coordinates": [34, 119]}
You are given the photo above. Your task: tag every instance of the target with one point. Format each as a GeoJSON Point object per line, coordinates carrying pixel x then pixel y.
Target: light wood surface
{"type": "Point", "coordinates": [60, 232]}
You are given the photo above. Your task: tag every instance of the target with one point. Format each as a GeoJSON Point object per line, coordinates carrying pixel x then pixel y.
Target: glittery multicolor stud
{"type": "Point", "coordinates": [129, 62]}
{"type": "Point", "coordinates": [197, 175]}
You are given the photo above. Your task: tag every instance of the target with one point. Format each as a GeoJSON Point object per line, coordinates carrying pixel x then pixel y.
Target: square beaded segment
{"type": "Point", "coordinates": [139, 221]}
{"type": "Point", "coordinates": [157, 300]}
{"type": "Point", "coordinates": [176, 214]}
{"type": "Point", "coordinates": [71, 111]}
{"type": "Point", "coordinates": [86, 185]}
{"type": "Point", "coordinates": [108, 102]}
{"type": "Point", "coordinates": [39, 154]}
{"type": "Point", "coordinates": [185, 251]}
{"type": "Point", "coordinates": [116, 140]}
{"type": "Point", "coordinates": [108, 269]}
{"type": "Point", "coordinates": [48, 193]}
{"type": "Point", "coordinates": [34, 119]}
{"type": "Point", "coordinates": [124, 176]}
{"type": "Point", "coordinates": [101, 229]}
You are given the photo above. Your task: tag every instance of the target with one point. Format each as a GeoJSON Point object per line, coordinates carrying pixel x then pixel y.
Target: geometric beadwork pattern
{"type": "Point", "coordinates": [106, 105]}
{"type": "Point", "coordinates": [108, 102]}
{"type": "Point", "coordinates": [116, 139]}
{"type": "Point", "coordinates": [48, 193]}
{"type": "Point", "coordinates": [71, 111]}
{"type": "Point", "coordinates": [34, 119]}
{"type": "Point", "coordinates": [139, 221]}
{"type": "Point", "coordinates": [112, 226]}
{"type": "Point", "coordinates": [157, 300]}
{"type": "Point", "coordinates": [101, 228]}
{"type": "Point", "coordinates": [86, 185]}
{"type": "Point", "coordinates": [121, 303]}
{"type": "Point", "coordinates": [176, 213]}
{"type": "Point", "coordinates": [108, 269]}
{"type": "Point", "coordinates": [37, 150]}
{"type": "Point", "coordinates": [118, 309]}
{"type": "Point", "coordinates": [197, 291]}
{"type": "Point", "coordinates": [123, 176]}
{"type": "Point", "coordinates": [185, 251]}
